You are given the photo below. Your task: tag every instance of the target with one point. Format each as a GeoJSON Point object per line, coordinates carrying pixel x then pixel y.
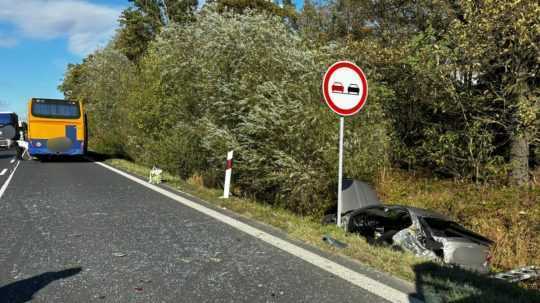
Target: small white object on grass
{"type": "Point", "coordinates": [155, 175]}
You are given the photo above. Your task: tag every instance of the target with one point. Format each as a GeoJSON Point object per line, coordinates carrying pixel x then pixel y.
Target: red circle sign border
{"type": "Point", "coordinates": [328, 99]}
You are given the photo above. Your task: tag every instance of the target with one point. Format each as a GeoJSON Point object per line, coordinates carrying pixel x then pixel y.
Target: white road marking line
{"type": "Point", "coordinates": [12, 160]}
{"type": "Point", "coordinates": [373, 286]}
{"type": "Point", "coordinates": [3, 172]}
{"type": "Point", "coordinates": [5, 185]}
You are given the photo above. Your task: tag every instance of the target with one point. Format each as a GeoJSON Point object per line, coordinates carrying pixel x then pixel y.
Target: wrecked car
{"type": "Point", "coordinates": [420, 231]}
{"type": "Point", "coordinates": [423, 232]}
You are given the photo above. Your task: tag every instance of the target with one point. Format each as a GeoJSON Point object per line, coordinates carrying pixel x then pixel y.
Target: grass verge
{"type": "Point", "coordinates": [436, 283]}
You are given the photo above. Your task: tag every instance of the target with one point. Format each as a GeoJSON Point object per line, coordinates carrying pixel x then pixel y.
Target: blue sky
{"type": "Point", "coordinates": [38, 38]}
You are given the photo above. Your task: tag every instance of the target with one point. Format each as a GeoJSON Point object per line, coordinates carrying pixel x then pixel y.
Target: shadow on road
{"type": "Point", "coordinates": [24, 290]}
{"type": "Point", "coordinates": [438, 284]}
{"type": "Point", "coordinates": [62, 159]}
{"type": "Point", "coordinates": [98, 157]}
{"type": "Point", "coordinates": [8, 156]}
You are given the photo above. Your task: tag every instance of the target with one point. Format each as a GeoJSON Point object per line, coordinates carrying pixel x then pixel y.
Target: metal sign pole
{"type": "Point", "coordinates": [340, 169]}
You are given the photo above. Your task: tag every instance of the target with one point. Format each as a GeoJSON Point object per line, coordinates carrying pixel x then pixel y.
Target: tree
{"type": "Point", "coordinates": [178, 11]}
{"type": "Point", "coordinates": [103, 82]}
{"type": "Point", "coordinates": [141, 22]}
{"type": "Point", "coordinates": [500, 41]}
{"type": "Point", "coordinates": [240, 6]}
{"type": "Point", "coordinates": [308, 19]}
{"type": "Point", "coordinates": [288, 3]}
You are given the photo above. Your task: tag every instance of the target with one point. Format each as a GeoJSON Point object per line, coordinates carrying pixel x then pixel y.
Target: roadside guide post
{"type": "Point", "coordinates": [345, 90]}
{"type": "Point", "coordinates": [228, 173]}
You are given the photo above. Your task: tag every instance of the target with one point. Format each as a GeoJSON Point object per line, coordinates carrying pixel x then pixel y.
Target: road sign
{"type": "Point", "coordinates": [345, 88]}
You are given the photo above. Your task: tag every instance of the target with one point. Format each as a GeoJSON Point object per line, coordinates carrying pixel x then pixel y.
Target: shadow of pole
{"type": "Point", "coordinates": [24, 290]}
{"type": "Point", "coordinates": [443, 284]}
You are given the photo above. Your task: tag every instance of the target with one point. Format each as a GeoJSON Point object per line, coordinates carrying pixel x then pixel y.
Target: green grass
{"type": "Point", "coordinates": [437, 283]}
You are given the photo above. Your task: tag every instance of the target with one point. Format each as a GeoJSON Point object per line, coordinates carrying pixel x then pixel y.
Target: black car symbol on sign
{"type": "Point", "coordinates": [353, 89]}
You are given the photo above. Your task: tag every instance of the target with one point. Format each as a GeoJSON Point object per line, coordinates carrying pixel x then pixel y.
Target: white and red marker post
{"type": "Point", "coordinates": [228, 173]}
{"type": "Point", "coordinates": [345, 90]}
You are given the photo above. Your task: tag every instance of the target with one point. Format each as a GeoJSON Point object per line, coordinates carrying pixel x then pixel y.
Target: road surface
{"type": "Point", "coordinates": [78, 232]}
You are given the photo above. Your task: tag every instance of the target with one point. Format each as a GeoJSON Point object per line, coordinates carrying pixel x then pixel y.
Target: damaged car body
{"type": "Point", "coordinates": [422, 232]}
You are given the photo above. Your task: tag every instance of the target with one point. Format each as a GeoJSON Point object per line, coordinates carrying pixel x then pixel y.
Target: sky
{"type": "Point", "coordinates": [39, 38]}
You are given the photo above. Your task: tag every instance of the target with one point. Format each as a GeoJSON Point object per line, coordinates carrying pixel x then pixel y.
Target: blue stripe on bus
{"type": "Point", "coordinates": [71, 132]}
{"type": "Point", "coordinates": [76, 149]}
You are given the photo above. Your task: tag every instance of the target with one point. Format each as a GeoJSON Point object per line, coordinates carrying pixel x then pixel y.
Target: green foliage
{"type": "Point", "coordinates": [101, 82]}
{"type": "Point", "coordinates": [252, 85]}
{"type": "Point", "coordinates": [452, 85]}
{"type": "Point", "coordinates": [242, 6]}
{"type": "Point", "coordinates": [243, 82]}
{"type": "Point", "coordinates": [141, 22]}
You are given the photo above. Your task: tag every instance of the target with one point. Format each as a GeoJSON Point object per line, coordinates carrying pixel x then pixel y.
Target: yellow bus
{"type": "Point", "coordinates": [56, 127]}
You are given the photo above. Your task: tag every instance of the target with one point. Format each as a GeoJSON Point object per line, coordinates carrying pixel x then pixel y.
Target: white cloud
{"type": "Point", "coordinates": [86, 25]}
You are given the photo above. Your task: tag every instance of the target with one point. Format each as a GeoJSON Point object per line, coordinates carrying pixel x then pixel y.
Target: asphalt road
{"type": "Point", "coordinates": [77, 232]}
{"type": "Point", "coordinates": [8, 160]}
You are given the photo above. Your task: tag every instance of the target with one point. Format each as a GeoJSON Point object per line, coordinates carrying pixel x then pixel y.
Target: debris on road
{"type": "Point", "coordinates": [519, 274]}
{"type": "Point", "coordinates": [334, 242]}
{"type": "Point", "coordinates": [217, 260]}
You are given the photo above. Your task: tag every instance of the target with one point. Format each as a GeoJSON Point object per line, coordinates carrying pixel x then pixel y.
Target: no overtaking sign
{"type": "Point", "coordinates": [345, 88]}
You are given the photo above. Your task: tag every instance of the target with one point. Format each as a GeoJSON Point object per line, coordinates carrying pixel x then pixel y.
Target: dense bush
{"type": "Point", "coordinates": [214, 80]}
{"type": "Point", "coordinates": [246, 83]}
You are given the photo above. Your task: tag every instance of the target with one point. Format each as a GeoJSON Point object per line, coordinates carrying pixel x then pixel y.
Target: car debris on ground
{"type": "Point", "coordinates": [333, 242]}
{"type": "Point", "coordinates": [519, 274]}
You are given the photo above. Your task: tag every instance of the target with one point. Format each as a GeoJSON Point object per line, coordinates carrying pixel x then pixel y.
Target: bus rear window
{"type": "Point", "coordinates": [56, 109]}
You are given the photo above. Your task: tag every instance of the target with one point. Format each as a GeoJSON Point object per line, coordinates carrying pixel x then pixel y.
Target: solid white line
{"type": "Point", "coordinates": [375, 287]}
{"type": "Point", "coordinates": [5, 185]}
{"type": "Point", "coordinates": [12, 160]}
{"type": "Point", "coordinates": [3, 172]}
